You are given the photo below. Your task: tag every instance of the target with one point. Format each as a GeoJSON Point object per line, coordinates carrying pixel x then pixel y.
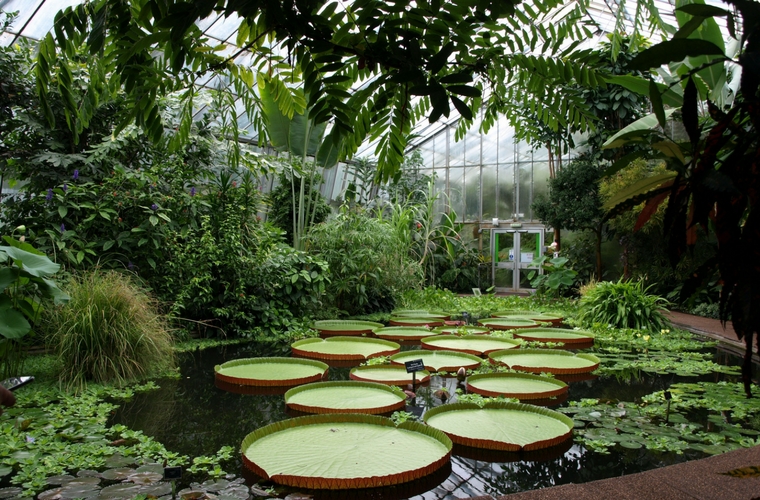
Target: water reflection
{"type": "Point", "coordinates": [193, 416]}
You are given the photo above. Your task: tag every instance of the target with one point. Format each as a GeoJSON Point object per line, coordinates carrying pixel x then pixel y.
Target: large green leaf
{"type": "Point", "coordinates": [641, 86]}
{"type": "Point", "coordinates": [709, 31]}
{"type": "Point", "coordinates": [388, 374]}
{"type": "Point", "coordinates": [638, 188]}
{"type": "Point", "coordinates": [8, 275]}
{"type": "Point", "coordinates": [298, 136]}
{"type": "Point", "coordinates": [436, 361]}
{"type": "Point", "coordinates": [636, 128]}
{"type": "Point", "coordinates": [546, 360]}
{"type": "Point", "coordinates": [472, 344]}
{"type": "Point", "coordinates": [674, 50]}
{"type": "Point", "coordinates": [345, 396]}
{"type": "Point", "coordinates": [515, 385]}
{"type": "Point", "coordinates": [50, 290]}
{"type": "Point", "coordinates": [270, 371]}
{"type": "Point", "coordinates": [36, 265]}
{"type": "Point", "coordinates": [344, 346]}
{"type": "Point", "coordinates": [13, 324]}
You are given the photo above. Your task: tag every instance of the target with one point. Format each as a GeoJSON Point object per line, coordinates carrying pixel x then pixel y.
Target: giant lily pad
{"type": "Point", "coordinates": [388, 374]}
{"type": "Point", "coordinates": [403, 333]}
{"type": "Point", "coordinates": [573, 339]}
{"type": "Point", "coordinates": [328, 328]}
{"type": "Point", "coordinates": [501, 426]}
{"type": "Point", "coordinates": [546, 361]}
{"type": "Point", "coordinates": [508, 323]}
{"type": "Point", "coordinates": [345, 397]}
{"type": "Point", "coordinates": [439, 361]}
{"type": "Point", "coordinates": [462, 330]}
{"type": "Point", "coordinates": [419, 313]}
{"type": "Point", "coordinates": [270, 371]}
{"type": "Point", "coordinates": [544, 317]}
{"type": "Point", "coordinates": [340, 451]}
{"type": "Point", "coordinates": [429, 321]}
{"type": "Point", "coordinates": [515, 385]}
{"type": "Point", "coordinates": [352, 349]}
{"type": "Point", "coordinates": [477, 345]}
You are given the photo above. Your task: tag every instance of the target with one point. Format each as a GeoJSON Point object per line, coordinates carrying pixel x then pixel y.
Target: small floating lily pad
{"type": "Point", "coordinates": [432, 322]}
{"type": "Point", "coordinates": [388, 374]}
{"type": "Point", "coordinates": [515, 385]}
{"type": "Point", "coordinates": [270, 371]}
{"type": "Point", "coordinates": [402, 333]}
{"type": "Point", "coordinates": [508, 323]}
{"type": "Point", "coordinates": [344, 348]}
{"type": "Point", "coordinates": [341, 451]}
{"type": "Point", "coordinates": [501, 426]}
{"type": "Point", "coordinates": [439, 361]}
{"type": "Point", "coordinates": [332, 327]}
{"type": "Point", "coordinates": [478, 345]}
{"type": "Point", "coordinates": [546, 361]}
{"type": "Point", "coordinates": [345, 397]}
{"type": "Point", "coordinates": [571, 338]}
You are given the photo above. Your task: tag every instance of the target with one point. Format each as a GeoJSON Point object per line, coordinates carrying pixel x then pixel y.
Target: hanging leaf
{"type": "Point", "coordinates": [635, 129]}
{"type": "Point", "coordinates": [690, 113]}
{"type": "Point", "coordinates": [674, 50]}
{"type": "Point", "coordinates": [36, 265]}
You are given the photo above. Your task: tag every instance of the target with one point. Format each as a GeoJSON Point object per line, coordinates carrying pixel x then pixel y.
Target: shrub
{"type": "Point", "coordinates": [369, 264]}
{"type": "Point", "coordinates": [110, 331]}
{"type": "Point", "coordinates": [622, 304]}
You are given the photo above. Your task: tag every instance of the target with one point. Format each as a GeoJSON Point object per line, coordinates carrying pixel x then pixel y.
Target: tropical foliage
{"type": "Point", "coordinates": [622, 304]}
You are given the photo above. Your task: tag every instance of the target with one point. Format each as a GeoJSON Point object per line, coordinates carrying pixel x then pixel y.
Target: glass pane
{"type": "Point", "coordinates": [540, 154]}
{"type": "Point", "coordinates": [472, 143]}
{"type": "Point", "coordinates": [456, 151]}
{"type": "Point", "coordinates": [338, 182]}
{"type": "Point", "coordinates": [441, 202]}
{"type": "Point", "coordinates": [530, 245]}
{"type": "Point", "coordinates": [503, 278]}
{"type": "Point", "coordinates": [439, 144]}
{"type": "Point", "coordinates": [472, 194]}
{"type": "Point", "coordinates": [456, 191]}
{"type": "Point", "coordinates": [490, 149]}
{"type": "Point", "coordinates": [525, 173]}
{"type": "Point", "coordinates": [225, 28]}
{"type": "Point", "coordinates": [506, 142]}
{"type": "Point", "coordinates": [524, 281]}
{"type": "Point", "coordinates": [488, 196]}
{"type": "Point", "coordinates": [42, 21]}
{"type": "Point", "coordinates": [540, 183]}
{"type": "Point", "coordinates": [524, 151]}
{"type": "Point", "coordinates": [504, 247]}
{"type": "Point", "coordinates": [427, 154]}
{"type": "Point", "coordinates": [506, 192]}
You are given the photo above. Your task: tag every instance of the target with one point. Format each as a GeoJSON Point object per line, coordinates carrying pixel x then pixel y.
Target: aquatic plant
{"type": "Point", "coordinates": [623, 304]}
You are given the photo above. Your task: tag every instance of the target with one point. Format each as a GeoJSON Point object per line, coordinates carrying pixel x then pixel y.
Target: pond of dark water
{"type": "Point", "coordinates": [190, 415]}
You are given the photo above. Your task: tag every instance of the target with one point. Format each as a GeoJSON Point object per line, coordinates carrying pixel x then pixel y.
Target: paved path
{"type": "Point", "coordinates": [703, 479]}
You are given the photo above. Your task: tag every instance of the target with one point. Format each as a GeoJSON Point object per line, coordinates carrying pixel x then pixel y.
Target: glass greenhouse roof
{"type": "Point", "coordinates": [35, 19]}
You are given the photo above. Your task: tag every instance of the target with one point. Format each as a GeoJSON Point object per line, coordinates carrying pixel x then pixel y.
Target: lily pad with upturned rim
{"type": "Point", "coordinates": [341, 451]}
{"type": "Point", "coordinates": [501, 426]}
{"type": "Point", "coordinates": [432, 322]}
{"type": "Point", "coordinates": [508, 324]}
{"type": "Point", "coordinates": [477, 345]}
{"type": "Point", "coordinates": [543, 317]}
{"type": "Point", "coordinates": [461, 330]}
{"type": "Point", "coordinates": [340, 327]}
{"type": "Point", "coordinates": [420, 313]}
{"type": "Point", "coordinates": [345, 396]}
{"type": "Point", "coordinates": [344, 348]}
{"type": "Point", "coordinates": [402, 333]}
{"type": "Point", "coordinates": [388, 374]}
{"type": "Point", "coordinates": [271, 371]}
{"type": "Point", "coordinates": [439, 361]}
{"type": "Point", "coordinates": [515, 385]}
{"type": "Point", "coordinates": [571, 338]}
{"type": "Point", "coordinates": [546, 361]}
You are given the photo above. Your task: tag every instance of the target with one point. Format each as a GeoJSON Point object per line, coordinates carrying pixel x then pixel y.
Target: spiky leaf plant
{"type": "Point", "coordinates": [109, 332]}
{"type": "Point", "coordinates": [623, 304]}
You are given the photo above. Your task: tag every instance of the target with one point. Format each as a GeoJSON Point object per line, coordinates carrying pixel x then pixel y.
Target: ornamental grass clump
{"type": "Point", "coordinates": [622, 304]}
{"type": "Point", "coordinates": [109, 332]}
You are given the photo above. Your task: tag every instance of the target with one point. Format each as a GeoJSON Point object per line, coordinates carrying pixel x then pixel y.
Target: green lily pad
{"type": "Point", "coordinates": [477, 345]}
{"type": "Point", "coordinates": [344, 348]}
{"type": "Point", "coordinates": [507, 323]}
{"type": "Point", "coordinates": [345, 327]}
{"type": "Point", "coordinates": [571, 338]}
{"type": "Point", "coordinates": [402, 333]}
{"type": "Point", "coordinates": [342, 451]}
{"type": "Point", "coordinates": [439, 361]}
{"type": "Point", "coordinates": [631, 445]}
{"type": "Point", "coordinates": [4, 471]}
{"type": "Point", "coordinates": [118, 460]}
{"type": "Point", "coordinates": [345, 397]}
{"type": "Point", "coordinates": [542, 317]}
{"type": "Point", "coordinates": [270, 371]}
{"type": "Point", "coordinates": [388, 374]}
{"type": "Point", "coordinates": [515, 385]}
{"type": "Point", "coordinates": [546, 361]}
{"type": "Point", "coordinates": [501, 426]}
{"type": "Point", "coordinates": [461, 330]}
{"type": "Point", "coordinates": [10, 492]}
{"type": "Point", "coordinates": [117, 474]}
{"type": "Point", "coordinates": [430, 321]}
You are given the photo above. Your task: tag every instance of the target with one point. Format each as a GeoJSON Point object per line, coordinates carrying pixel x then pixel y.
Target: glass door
{"type": "Point", "coordinates": [512, 251]}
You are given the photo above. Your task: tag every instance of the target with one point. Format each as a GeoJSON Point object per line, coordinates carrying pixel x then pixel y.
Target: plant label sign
{"type": "Point", "coordinates": [415, 365]}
